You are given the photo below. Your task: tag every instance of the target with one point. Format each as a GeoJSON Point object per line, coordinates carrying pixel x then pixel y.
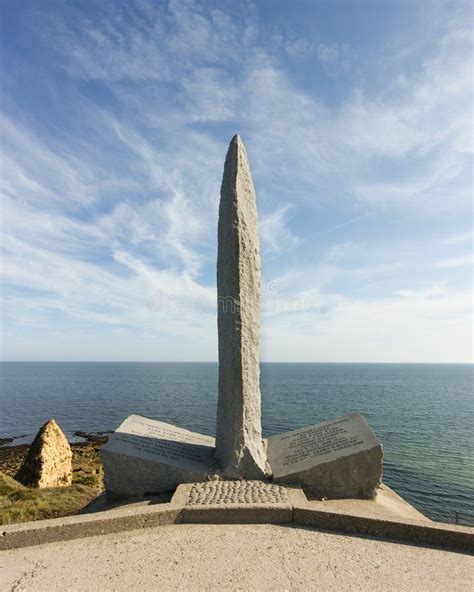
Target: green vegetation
{"type": "Point", "coordinates": [22, 504]}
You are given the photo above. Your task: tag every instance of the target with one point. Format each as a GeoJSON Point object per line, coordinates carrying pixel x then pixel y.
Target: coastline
{"type": "Point", "coordinates": [85, 460]}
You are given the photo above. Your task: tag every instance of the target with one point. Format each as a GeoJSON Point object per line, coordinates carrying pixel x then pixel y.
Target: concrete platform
{"type": "Point", "coordinates": [216, 557]}
{"type": "Point", "coordinates": [388, 516]}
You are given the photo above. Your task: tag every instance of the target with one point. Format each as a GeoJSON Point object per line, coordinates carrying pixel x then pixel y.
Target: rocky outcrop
{"type": "Point", "coordinates": [49, 459]}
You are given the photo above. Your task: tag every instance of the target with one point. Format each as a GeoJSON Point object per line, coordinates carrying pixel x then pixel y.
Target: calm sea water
{"type": "Point", "coordinates": [423, 413]}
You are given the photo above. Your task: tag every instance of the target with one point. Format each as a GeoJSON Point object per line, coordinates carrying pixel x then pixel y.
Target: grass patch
{"type": "Point", "coordinates": [86, 466]}
{"type": "Point", "coordinates": [22, 504]}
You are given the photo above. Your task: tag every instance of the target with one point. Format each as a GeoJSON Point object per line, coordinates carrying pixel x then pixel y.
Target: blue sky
{"type": "Point", "coordinates": [115, 120]}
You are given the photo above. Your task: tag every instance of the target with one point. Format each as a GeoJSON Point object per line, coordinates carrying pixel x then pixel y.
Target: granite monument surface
{"type": "Point", "coordinates": [239, 445]}
{"type": "Point", "coordinates": [144, 456]}
{"type": "Point", "coordinates": [334, 459]}
{"type": "Point", "coordinates": [340, 458]}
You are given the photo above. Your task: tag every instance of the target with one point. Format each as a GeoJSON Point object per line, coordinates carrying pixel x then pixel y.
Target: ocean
{"type": "Point", "coordinates": [422, 413]}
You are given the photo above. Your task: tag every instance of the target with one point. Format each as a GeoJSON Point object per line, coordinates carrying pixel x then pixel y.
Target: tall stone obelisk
{"type": "Point", "coordinates": [239, 447]}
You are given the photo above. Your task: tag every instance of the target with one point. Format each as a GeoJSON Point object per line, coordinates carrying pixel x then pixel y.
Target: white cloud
{"type": "Point", "coordinates": [38, 171]}
{"type": "Point", "coordinates": [275, 234]}
{"type": "Point", "coordinates": [425, 325]}
{"type": "Point", "coordinates": [327, 53]}
{"type": "Point", "coordinates": [453, 262]}
{"type": "Point", "coordinates": [88, 292]}
{"type": "Point", "coordinates": [210, 95]}
{"type": "Point", "coordinates": [94, 229]}
{"type": "Point", "coordinates": [422, 117]}
{"type": "Point", "coordinates": [460, 237]}
{"type": "Point", "coordinates": [421, 128]}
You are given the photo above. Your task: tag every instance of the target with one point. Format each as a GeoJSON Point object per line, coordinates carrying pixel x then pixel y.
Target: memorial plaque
{"type": "Point", "coordinates": [338, 458]}
{"type": "Point", "coordinates": [161, 442]}
{"type": "Point", "coordinates": [144, 456]}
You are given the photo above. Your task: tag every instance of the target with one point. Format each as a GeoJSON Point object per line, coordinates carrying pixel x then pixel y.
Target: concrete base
{"type": "Point", "coordinates": [386, 505]}
{"type": "Point", "coordinates": [260, 509]}
{"type": "Point", "coordinates": [388, 516]}
{"type": "Point", "coordinates": [231, 557]}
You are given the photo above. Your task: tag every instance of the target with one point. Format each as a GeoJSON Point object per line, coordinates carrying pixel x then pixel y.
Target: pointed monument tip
{"type": "Point", "coordinates": [236, 146]}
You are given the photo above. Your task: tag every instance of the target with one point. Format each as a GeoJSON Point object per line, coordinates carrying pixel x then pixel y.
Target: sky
{"type": "Point", "coordinates": [115, 119]}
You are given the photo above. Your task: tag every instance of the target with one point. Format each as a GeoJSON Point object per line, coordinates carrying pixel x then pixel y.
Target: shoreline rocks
{"type": "Point", "coordinates": [93, 437]}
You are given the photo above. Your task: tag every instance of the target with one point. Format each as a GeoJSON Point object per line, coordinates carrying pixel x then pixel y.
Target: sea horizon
{"type": "Point", "coordinates": [419, 411]}
{"type": "Point", "coordinates": [216, 362]}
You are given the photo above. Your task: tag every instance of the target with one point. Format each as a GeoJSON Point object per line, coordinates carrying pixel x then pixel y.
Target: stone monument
{"type": "Point", "coordinates": [341, 458]}
{"type": "Point", "coordinates": [239, 445]}
{"type": "Point", "coordinates": [337, 459]}
{"type": "Point", "coordinates": [144, 456]}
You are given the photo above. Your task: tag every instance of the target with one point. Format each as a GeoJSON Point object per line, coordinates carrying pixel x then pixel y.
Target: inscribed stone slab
{"type": "Point", "coordinates": [338, 458]}
{"type": "Point", "coordinates": [148, 456]}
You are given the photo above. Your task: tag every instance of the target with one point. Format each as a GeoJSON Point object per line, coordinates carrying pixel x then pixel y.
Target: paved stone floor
{"type": "Point", "coordinates": [232, 557]}
{"type": "Point", "coordinates": [237, 492]}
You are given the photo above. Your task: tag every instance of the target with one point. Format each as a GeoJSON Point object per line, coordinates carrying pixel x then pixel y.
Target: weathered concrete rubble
{"type": "Point", "coordinates": [239, 446]}
{"type": "Point", "coordinates": [49, 459]}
